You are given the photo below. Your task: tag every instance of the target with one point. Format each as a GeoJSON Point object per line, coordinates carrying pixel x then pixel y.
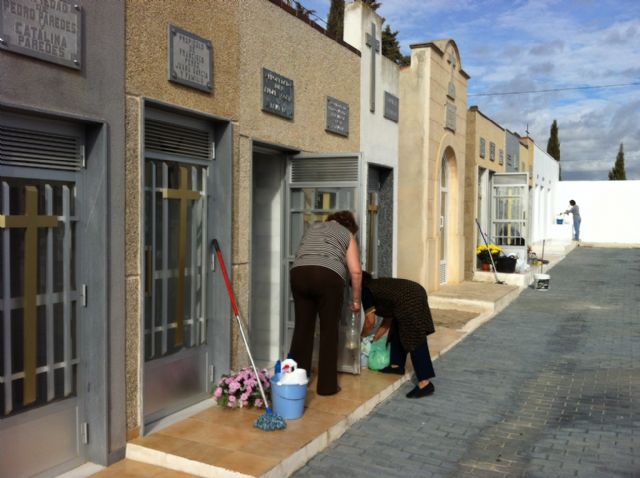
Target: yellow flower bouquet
{"type": "Point", "coordinates": [484, 253]}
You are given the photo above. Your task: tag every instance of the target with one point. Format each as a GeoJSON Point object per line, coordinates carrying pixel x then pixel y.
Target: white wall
{"type": "Point", "coordinates": [378, 135]}
{"type": "Point", "coordinates": [608, 210]}
{"type": "Point", "coordinates": [544, 182]}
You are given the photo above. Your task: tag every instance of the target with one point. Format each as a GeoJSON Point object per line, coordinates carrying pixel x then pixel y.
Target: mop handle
{"type": "Point", "coordinates": [236, 313]}
{"type": "Point", "coordinates": [226, 277]}
{"type": "Point", "coordinates": [484, 238]}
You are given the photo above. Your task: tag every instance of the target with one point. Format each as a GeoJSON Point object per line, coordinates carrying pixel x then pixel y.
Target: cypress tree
{"type": "Point", "coordinates": [391, 47]}
{"type": "Point", "coordinates": [618, 173]}
{"type": "Point", "coordinates": [372, 4]}
{"type": "Point", "coordinates": [335, 22]}
{"type": "Point", "coordinates": [553, 145]}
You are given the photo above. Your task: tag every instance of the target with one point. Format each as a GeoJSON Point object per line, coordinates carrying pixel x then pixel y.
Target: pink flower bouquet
{"type": "Point", "coordinates": [240, 390]}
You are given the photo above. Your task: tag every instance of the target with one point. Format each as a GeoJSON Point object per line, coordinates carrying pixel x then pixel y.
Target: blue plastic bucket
{"type": "Point", "coordinates": [288, 400]}
{"type": "Point", "coordinates": [559, 220]}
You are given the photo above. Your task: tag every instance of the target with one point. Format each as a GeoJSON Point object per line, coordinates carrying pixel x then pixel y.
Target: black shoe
{"type": "Point", "coordinates": [390, 369]}
{"type": "Point", "coordinates": [418, 392]}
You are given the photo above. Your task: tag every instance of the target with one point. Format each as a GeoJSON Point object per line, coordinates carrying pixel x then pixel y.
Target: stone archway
{"type": "Point", "coordinates": [448, 214]}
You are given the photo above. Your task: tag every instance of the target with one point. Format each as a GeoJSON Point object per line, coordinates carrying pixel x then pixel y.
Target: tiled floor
{"type": "Point", "coordinates": [218, 439]}
{"type": "Point", "coordinates": [220, 442]}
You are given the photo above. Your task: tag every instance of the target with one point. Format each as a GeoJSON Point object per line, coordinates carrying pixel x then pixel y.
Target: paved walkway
{"type": "Point", "coordinates": [549, 388]}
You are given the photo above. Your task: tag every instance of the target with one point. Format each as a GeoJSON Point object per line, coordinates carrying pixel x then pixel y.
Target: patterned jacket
{"type": "Point", "coordinates": [406, 302]}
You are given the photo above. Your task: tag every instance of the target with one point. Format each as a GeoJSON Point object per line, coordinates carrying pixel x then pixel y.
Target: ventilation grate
{"type": "Point", "coordinates": [176, 140]}
{"type": "Point", "coordinates": [324, 170]}
{"type": "Point", "coordinates": [36, 149]}
{"type": "Point", "coordinates": [443, 272]}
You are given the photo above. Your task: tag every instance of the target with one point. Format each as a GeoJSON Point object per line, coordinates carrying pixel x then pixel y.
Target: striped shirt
{"type": "Point", "coordinates": [325, 244]}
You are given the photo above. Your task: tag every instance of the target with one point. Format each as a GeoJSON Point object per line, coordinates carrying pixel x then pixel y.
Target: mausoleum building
{"type": "Point", "coordinates": [433, 124]}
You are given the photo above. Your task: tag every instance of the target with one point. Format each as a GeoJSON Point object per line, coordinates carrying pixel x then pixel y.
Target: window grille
{"type": "Point", "coordinates": [39, 294]}
{"type": "Point", "coordinates": [175, 257]}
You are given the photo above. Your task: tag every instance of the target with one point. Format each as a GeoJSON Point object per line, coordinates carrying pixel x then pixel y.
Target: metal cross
{"type": "Point", "coordinates": [31, 222]}
{"type": "Point", "coordinates": [373, 43]}
{"type": "Point", "coordinates": [184, 195]}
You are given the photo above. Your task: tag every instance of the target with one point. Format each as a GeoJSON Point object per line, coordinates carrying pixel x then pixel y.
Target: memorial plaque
{"type": "Point", "coordinates": [50, 30]}
{"type": "Point", "coordinates": [190, 59]}
{"type": "Point", "coordinates": [451, 92]}
{"type": "Point", "coordinates": [337, 116]}
{"type": "Point", "coordinates": [451, 117]}
{"type": "Point", "coordinates": [277, 94]}
{"type": "Point", "coordinates": [391, 107]}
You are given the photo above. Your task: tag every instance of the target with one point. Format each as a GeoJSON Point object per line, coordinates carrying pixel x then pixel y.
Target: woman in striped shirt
{"type": "Point", "coordinates": [328, 256]}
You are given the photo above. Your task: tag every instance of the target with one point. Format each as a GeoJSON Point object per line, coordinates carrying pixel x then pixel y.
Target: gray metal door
{"type": "Point", "coordinates": [318, 185]}
{"type": "Point", "coordinates": [175, 342]}
{"type": "Point", "coordinates": [43, 302]}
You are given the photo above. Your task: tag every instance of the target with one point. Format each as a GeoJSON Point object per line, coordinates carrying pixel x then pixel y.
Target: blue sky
{"type": "Point", "coordinates": [526, 45]}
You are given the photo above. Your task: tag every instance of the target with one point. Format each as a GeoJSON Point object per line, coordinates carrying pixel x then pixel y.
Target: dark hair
{"type": "Point", "coordinates": [346, 219]}
{"type": "Point", "coordinates": [572, 202]}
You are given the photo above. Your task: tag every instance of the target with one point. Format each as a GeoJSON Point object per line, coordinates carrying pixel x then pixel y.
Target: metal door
{"type": "Point", "coordinates": [42, 306]}
{"type": "Point", "coordinates": [318, 185]}
{"type": "Point", "coordinates": [175, 344]}
{"type": "Point", "coordinates": [373, 233]}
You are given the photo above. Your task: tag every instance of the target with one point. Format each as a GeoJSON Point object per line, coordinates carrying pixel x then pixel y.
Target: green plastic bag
{"type": "Point", "coordinates": [379, 354]}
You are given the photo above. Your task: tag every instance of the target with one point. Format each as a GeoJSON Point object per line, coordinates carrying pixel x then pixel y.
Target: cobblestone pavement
{"type": "Point", "coordinates": [550, 387]}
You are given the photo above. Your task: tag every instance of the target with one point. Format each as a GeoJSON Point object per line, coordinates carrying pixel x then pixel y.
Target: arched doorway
{"type": "Point", "coordinates": [449, 245]}
{"type": "Point", "coordinates": [444, 226]}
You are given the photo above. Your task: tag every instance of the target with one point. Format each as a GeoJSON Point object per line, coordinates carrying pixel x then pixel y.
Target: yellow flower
{"type": "Point", "coordinates": [483, 252]}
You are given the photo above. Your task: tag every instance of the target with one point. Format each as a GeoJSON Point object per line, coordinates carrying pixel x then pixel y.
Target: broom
{"type": "Point", "coordinates": [269, 421]}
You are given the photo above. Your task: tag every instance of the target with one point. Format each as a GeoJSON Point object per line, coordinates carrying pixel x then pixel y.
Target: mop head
{"type": "Point", "coordinates": [270, 422]}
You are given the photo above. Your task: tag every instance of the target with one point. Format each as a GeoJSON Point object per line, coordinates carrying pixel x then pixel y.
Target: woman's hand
{"type": "Point", "coordinates": [383, 329]}
{"type": "Point", "coordinates": [355, 307]}
{"type": "Point", "coordinates": [369, 324]}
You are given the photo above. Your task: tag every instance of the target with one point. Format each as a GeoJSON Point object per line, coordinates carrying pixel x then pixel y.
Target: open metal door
{"type": "Point", "coordinates": [509, 221]}
{"type": "Point", "coordinates": [317, 185]}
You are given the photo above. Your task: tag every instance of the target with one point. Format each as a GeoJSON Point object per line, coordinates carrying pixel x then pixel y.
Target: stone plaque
{"type": "Point", "coordinates": [337, 116]}
{"type": "Point", "coordinates": [50, 30]}
{"type": "Point", "coordinates": [451, 92]}
{"type": "Point", "coordinates": [190, 59]}
{"type": "Point", "coordinates": [450, 117]}
{"type": "Point", "coordinates": [277, 94]}
{"type": "Point", "coordinates": [391, 107]}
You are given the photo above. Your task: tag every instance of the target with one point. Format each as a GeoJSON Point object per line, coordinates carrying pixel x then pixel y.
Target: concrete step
{"type": "Point", "coordinates": [478, 297]}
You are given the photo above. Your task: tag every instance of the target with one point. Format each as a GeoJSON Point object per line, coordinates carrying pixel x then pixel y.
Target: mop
{"type": "Point", "coordinates": [493, 264]}
{"type": "Point", "coordinates": [269, 421]}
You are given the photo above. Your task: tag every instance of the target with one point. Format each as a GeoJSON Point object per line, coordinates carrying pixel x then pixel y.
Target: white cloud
{"type": "Point", "coordinates": [527, 45]}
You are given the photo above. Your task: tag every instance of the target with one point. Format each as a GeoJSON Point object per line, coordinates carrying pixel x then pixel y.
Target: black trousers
{"type": "Point", "coordinates": [420, 357]}
{"type": "Point", "coordinates": [317, 292]}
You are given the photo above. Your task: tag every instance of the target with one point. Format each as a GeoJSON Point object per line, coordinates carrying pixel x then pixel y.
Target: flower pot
{"type": "Point", "coordinates": [486, 267]}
